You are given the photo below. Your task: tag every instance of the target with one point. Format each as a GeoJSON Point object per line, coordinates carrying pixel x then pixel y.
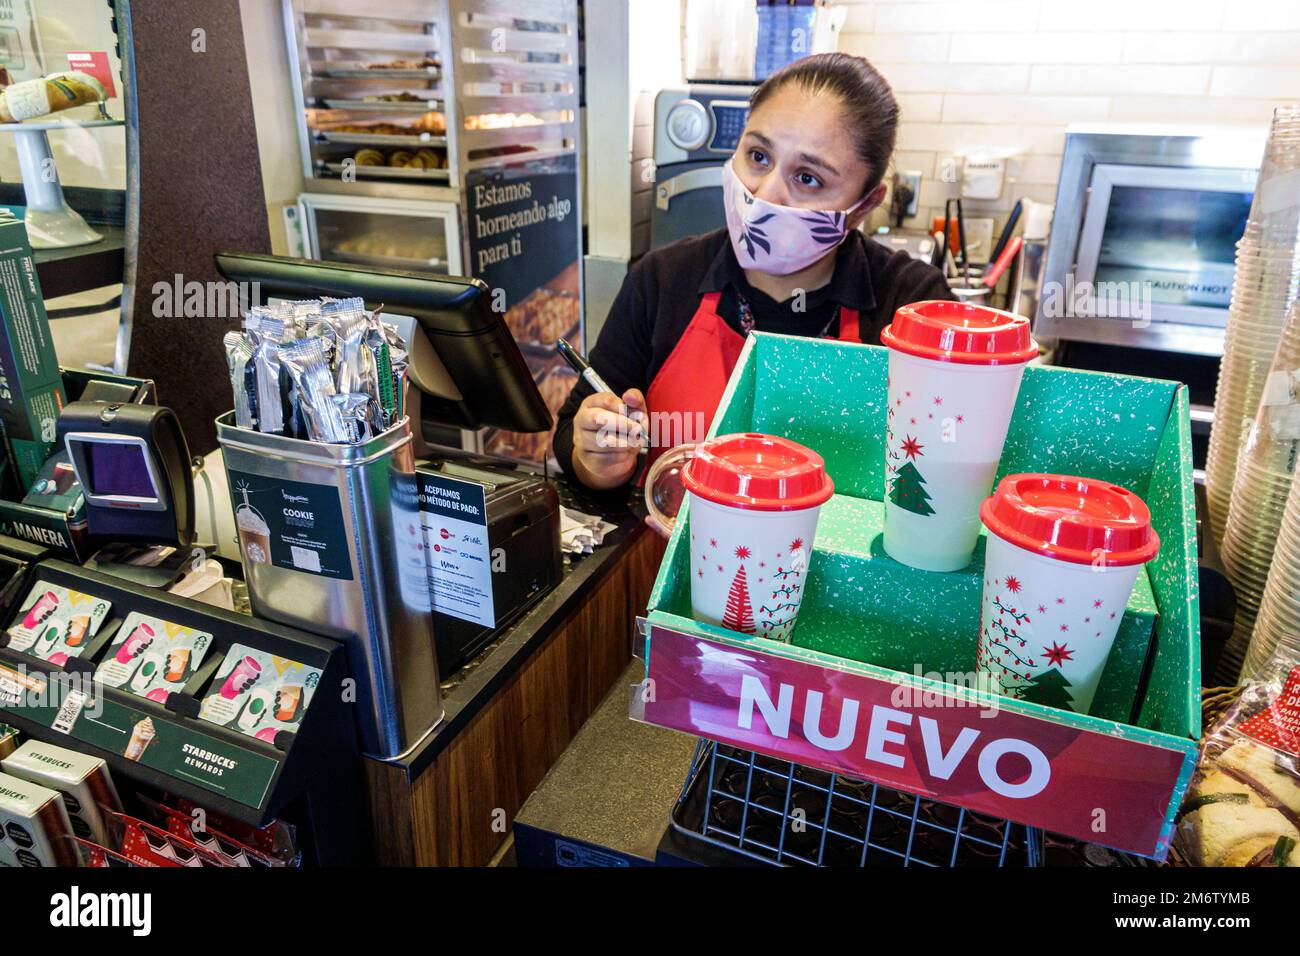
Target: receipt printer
{"type": "Point", "coordinates": [493, 534]}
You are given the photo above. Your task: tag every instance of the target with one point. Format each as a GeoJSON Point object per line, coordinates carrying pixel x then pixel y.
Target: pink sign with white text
{"type": "Point", "coordinates": [96, 64]}
{"type": "Point", "coordinates": [1106, 789]}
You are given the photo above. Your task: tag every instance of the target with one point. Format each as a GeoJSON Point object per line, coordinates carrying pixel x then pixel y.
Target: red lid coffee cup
{"type": "Point", "coordinates": [759, 473]}
{"type": "Point", "coordinates": [1080, 520]}
{"type": "Point", "coordinates": [954, 376]}
{"type": "Point", "coordinates": [754, 503]}
{"type": "Point", "coordinates": [956, 332]}
{"type": "Point", "coordinates": [1062, 556]}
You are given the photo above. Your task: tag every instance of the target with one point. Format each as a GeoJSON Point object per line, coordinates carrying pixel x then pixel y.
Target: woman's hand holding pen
{"type": "Point", "coordinates": [608, 433]}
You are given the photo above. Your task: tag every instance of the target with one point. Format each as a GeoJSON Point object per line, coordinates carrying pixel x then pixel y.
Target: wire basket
{"type": "Point", "coordinates": [786, 814]}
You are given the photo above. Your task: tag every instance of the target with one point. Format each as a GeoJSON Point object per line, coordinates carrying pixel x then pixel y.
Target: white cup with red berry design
{"type": "Point", "coordinates": [1063, 555]}
{"type": "Point", "coordinates": [954, 374]}
{"type": "Point", "coordinates": [754, 502]}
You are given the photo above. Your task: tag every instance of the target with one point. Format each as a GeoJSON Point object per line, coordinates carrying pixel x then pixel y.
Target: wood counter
{"type": "Point", "coordinates": [453, 801]}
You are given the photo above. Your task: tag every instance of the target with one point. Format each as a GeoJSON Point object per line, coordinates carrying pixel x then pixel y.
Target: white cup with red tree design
{"type": "Point", "coordinates": [1063, 555]}
{"type": "Point", "coordinates": [754, 502]}
{"type": "Point", "coordinates": [954, 374]}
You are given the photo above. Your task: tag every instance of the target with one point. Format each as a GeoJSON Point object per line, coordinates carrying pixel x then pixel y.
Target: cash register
{"type": "Point", "coordinates": [491, 526]}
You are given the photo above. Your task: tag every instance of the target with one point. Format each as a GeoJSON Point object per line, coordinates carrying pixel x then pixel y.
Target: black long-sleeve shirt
{"type": "Point", "coordinates": [662, 291]}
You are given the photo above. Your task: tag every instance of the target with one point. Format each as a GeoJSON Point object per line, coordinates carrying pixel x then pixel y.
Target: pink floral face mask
{"type": "Point", "coordinates": [778, 240]}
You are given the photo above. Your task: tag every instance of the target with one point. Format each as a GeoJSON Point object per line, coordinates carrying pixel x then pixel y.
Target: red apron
{"type": "Point", "coordinates": [691, 382]}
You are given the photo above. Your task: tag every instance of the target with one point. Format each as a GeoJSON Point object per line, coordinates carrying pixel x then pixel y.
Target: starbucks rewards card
{"type": "Point", "coordinates": [57, 623]}
{"type": "Point", "coordinates": [259, 694]}
{"type": "Point", "coordinates": [151, 657]}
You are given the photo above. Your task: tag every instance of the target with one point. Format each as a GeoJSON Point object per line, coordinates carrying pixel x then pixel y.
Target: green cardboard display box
{"type": "Point", "coordinates": [870, 619]}
{"type": "Point", "coordinates": [31, 389]}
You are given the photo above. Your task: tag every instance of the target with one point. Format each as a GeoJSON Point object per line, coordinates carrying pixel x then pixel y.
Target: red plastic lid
{"type": "Point", "coordinates": [761, 472]}
{"type": "Point", "coordinates": [1072, 519]}
{"type": "Point", "coordinates": [957, 332]}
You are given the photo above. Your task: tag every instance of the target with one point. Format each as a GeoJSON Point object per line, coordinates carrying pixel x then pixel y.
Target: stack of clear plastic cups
{"type": "Point", "coordinates": [1277, 631]}
{"type": "Point", "coordinates": [1263, 479]}
{"type": "Point", "coordinates": [1265, 284]}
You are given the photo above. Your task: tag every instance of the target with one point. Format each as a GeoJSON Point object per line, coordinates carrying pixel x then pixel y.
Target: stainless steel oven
{"type": "Point", "coordinates": [697, 129]}
{"type": "Point", "coordinates": [1143, 238]}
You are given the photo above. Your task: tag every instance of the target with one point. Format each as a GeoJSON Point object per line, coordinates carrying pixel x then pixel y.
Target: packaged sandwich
{"type": "Point", "coordinates": [1243, 807]}
{"type": "Point", "coordinates": [50, 94]}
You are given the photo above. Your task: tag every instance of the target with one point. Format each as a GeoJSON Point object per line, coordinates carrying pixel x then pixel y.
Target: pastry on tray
{"type": "Point", "coordinates": [1242, 811]}
{"type": "Point", "coordinates": [431, 158]}
{"type": "Point", "coordinates": [424, 63]}
{"type": "Point", "coordinates": [374, 129]}
{"type": "Point", "coordinates": [403, 97]}
{"type": "Point", "coordinates": [555, 388]}
{"type": "Point", "coordinates": [431, 122]}
{"type": "Point", "coordinates": [544, 316]}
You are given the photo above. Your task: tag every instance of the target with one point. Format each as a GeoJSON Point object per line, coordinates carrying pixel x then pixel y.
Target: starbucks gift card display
{"type": "Point", "coordinates": [259, 694]}
{"type": "Point", "coordinates": [56, 623]}
{"type": "Point", "coordinates": [151, 657]}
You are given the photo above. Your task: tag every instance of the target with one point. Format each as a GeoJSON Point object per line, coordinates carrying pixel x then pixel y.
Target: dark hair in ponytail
{"type": "Point", "coordinates": [864, 93]}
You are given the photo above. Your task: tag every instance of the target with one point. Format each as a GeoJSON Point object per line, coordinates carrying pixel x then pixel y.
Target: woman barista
{"type": "Point", "coordinates": [805, 175]}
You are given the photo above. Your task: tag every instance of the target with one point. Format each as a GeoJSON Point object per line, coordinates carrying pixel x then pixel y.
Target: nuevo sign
{"type": "Point", "coordinates": [1107, 788]}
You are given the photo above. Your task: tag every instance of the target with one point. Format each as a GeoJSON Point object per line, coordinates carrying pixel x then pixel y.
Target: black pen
{"type": "Point", "coordinates": [578, 362]}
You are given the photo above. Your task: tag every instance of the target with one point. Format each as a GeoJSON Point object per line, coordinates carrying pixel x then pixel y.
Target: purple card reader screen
{"type": "Point", "coordinates": [116, 469]}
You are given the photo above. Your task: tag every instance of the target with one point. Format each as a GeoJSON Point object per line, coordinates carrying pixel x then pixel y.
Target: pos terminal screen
{"type": "Point", "coordinates": [114, 468]}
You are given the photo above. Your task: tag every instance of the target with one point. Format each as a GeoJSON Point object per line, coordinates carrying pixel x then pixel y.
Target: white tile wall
{"type": "Point", "coordinates": [1159, 80]}
{"type": "Point", "coordinates": [1028, 47]}
{"type": "Point", "coordinates": [1012, 74]}
{"type": "Point", "coordinates": [1261, 16]}
{"type": "Point", "coordinates": [1279, 81]}
{"type": "Point", "coordinates": [921, 107]}
{"type": "Point", "coordinates": [1258, 48]}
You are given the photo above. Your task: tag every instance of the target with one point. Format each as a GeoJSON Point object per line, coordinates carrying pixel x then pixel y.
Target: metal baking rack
{"type": "Point", "coordinates": [413, 141]}
{"type": "Point", "coordinates": [505, 80]}
{"type": "Point", "coordinates": [389, 172]}
{"type": "Point", "coordinates": [419, 107]}
{"type": "Point", "coordinates": [781, 813]}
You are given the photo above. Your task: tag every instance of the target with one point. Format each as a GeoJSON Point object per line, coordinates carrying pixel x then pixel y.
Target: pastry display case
{"type": "Point", "coordinates": [370, 82]}
{"type": "Point", "coordinates": [441, 136]}
{"type": "Point", "coordinates": [421, 235]}
{"type": "Point", "coordinates": [382, 100]}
